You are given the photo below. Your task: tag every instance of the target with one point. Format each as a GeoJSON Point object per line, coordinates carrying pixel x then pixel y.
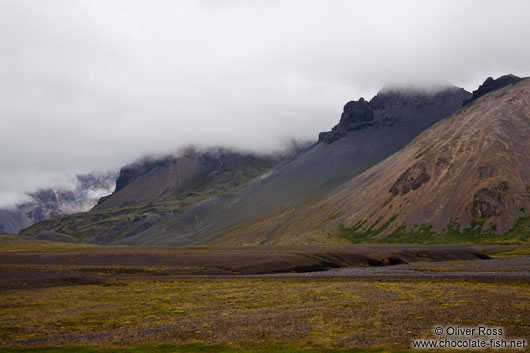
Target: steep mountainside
{"type": "Point", "coordinates": [471, 170]}
{"type": "Point", "coordinates": [272, 208]}
{"type": "Point", "coordinates": [404, 166]}
{"type": "Point", "coordinates": [55, 203]}
{"type": "Point", "coordinates": [262, 212]}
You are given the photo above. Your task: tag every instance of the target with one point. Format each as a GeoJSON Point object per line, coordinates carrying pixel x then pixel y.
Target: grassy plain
{"type": "Point", "coordinates": [61, 297]}
{"type": "Point", "coordinates": [17, 243]}
{"type": "Point", "coordinates": [243, 314]}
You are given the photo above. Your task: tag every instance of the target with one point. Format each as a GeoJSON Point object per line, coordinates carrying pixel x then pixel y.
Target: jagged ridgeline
{"type": "Point", "coordinates": [408, 165]}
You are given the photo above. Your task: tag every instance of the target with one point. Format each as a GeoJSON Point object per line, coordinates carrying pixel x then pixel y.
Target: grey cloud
{"type": "Point", "coordinates": [92, 85]}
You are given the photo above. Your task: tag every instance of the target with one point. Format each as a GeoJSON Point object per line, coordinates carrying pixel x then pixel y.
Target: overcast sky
{"type": "Point", "coordinates": [93, 85]}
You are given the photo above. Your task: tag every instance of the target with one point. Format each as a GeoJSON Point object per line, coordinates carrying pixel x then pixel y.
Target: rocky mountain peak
{"type": "Point", "coordinates": [357, 112]}
{"type": "Point", "coordinates": [392, 105]}
{"type": "Point", "coordinates": [491, 84]}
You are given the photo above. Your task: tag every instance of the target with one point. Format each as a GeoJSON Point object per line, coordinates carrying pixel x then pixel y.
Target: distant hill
{"type": "Point", "coordinates": [57, 202]}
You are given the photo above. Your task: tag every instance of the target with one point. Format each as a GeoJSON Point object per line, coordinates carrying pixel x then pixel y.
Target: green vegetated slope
{"type": "Point", "coordinates": [452, 234]}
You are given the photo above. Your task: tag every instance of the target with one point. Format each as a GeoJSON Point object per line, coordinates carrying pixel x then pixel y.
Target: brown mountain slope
{"type": "Point", "coordinates": [472, 168]}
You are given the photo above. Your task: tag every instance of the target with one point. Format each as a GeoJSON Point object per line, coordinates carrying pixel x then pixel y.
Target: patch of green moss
{"type": "Point", "coordinates": [330, 218]}
{"type": "Point", "coordinates": [452, 234]}
{"type": "Point", "coordinates": [371, 233]}
{"type": "Point", "coordinates": [478, 222]}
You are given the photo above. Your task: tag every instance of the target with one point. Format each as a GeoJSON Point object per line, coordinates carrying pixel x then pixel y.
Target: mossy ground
{"type": "Point", "coordinates": [282, 315]}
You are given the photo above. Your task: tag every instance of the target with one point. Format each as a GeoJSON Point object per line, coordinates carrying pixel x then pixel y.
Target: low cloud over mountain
{"type": "Point", "coordinates": [94, 85]}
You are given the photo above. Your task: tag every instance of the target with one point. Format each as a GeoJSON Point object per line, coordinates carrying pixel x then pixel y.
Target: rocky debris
{"type": "Point", "coordinates": [475, 174]}
{"type": "Point", "coordinates": [412, 179]}
{"type": "Point", "coordinates": [491, 85]}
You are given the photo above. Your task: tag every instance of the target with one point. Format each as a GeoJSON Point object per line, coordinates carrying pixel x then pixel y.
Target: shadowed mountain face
{"type": "Point", "coordinates": [416, 109]}
{"type": "Point", "coordinates": [55, 203]}
{"type": "Point", "coordinates": [471, 169]}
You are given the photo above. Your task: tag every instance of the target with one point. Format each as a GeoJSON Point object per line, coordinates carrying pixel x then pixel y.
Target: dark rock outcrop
{"type": "Point", "coordinates": [489, 202]}
{"type": "Point", "coordinates": [392, 107]}
{"type": "Point", "coordinates": [356, 115]}
{"type": "Point", "coordinates": [357, 112]}
{"type": "Point", "coordinates": [412, 179]}
{"type": "Point", "coordinates": [491, 85]}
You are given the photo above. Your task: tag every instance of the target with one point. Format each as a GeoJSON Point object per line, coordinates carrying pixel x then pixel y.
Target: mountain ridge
{"type": "Point", "coordinates": [262, 207]}
{"type": "Point", "coordinates": [352, 181]}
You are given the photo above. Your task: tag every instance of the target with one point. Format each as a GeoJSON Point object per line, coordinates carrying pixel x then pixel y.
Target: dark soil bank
{"type": "Point", "coordinates": [98, 265]}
